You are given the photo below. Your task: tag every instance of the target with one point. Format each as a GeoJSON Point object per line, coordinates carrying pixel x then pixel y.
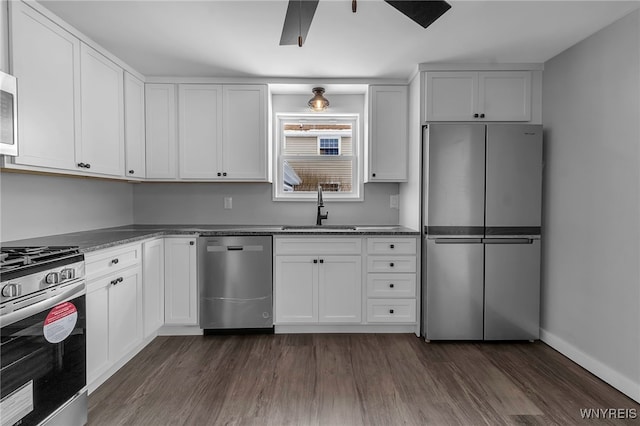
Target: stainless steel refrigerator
{"type": "Point", "coordinates": [482, 208]}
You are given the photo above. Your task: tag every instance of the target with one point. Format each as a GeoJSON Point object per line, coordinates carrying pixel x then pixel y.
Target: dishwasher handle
{"type": "Point", "coordinates": [235, 248]}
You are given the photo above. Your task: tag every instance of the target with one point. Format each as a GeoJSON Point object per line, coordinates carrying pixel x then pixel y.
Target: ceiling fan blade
{"type": "Point", "coordinates": [424, 12]}
{"type": "Point", "coordinates": [297, 20]}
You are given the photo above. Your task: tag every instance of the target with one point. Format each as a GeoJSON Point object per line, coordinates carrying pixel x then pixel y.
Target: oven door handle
{"type": "Point", "coordinates": [77, 290]}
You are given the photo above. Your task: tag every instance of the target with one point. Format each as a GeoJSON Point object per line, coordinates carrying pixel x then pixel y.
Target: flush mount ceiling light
{"type": "Point", "coordinates": [318, 102]}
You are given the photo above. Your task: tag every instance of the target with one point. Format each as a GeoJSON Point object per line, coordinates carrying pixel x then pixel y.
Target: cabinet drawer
{"type": "Point", "coordinates": [391, 285]}
{"type": "Point", "coordinates": [111, 260]}
{"type": "Point", "coordinates": [391, 245]}
{"type": "Point", "coordinates": [391, 264]}
{"type": "Point", "coordinates": [391, 310]}
{"type": "Point", "coordinates": [315, 246]}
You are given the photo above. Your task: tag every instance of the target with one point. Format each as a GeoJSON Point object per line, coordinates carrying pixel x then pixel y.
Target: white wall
{"type": "Point", "coordinates": [410, 192]}
{"type": "Point", "coordinates": [4, 36]}
{"type": "Point", "coordinates": [34, 206]}
{"type": "Point", "coordinates": [203, 203]}
{"type": "Point", "coordinates": [591, 242]}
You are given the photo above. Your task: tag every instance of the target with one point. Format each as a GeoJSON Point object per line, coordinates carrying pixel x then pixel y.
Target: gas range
{"type": "Point", "coordinates": [36, 272]}
{"type": "Point", "coordinates": [43, 336]}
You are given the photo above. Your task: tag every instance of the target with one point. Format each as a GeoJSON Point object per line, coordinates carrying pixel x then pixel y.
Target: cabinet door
{"type": "Point", "coordinates": [244, 149]}
{"type": "Point", "coordinates": [455, 290]}
{"type": "Point", "coordinates": [161, 140]}
{"type": "Point", "coordinates": [512, 290]}
{"type": "Point", "coordinates": [97, 329]}
{"type": "Point", "coordinates": [388, 135]}
{"type": "Point", "coordinates": [296, 289]}
{"type": "Point", "coordinates": [134, 126]}
{"type": "Point", "coordinates": [101, 145]}
{"type": "Point", "coordinates": [340, 289]}
{"type": "Point", "coordinates": [125, 313]}
{"type": "Point", "coordinates": [181, 283]}
{"type": "Point", "coordinates": [45, 59]}
{"type": "Point", "coordinates": [200, 130]}
{"type": "Point", "coordinates": [451, 96]}
{"type": "Point", "coordinates": [505, 95]}
{"type": "Point", "coordinates": [153, 286]}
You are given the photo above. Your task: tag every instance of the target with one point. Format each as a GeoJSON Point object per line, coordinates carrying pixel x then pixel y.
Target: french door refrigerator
{"type": "Point", "coordinates": [483, 186]}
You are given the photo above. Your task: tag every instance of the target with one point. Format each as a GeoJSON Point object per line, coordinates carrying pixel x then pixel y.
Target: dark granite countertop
{"type": "Point", "coordinates": [110, 237]}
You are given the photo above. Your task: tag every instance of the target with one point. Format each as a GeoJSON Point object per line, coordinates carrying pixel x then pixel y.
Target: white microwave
{"type": "Point", "coordinates": [8, 115]}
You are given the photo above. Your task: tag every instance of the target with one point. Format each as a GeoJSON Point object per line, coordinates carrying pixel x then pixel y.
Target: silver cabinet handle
{"type": "Point", "coordinates": [507, 241]}
{"type": "Point", "coordinates": [458, 240]}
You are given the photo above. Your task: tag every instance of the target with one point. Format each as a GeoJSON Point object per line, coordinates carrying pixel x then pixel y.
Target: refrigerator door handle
{"type": "Point", "coordinates": [458, 240]}
{"type": "Point", "coordinates": [507, 241]}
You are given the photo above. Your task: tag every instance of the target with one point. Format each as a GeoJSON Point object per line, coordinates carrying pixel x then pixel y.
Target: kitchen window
{"type": "Point", "coordinates": [317, 151]}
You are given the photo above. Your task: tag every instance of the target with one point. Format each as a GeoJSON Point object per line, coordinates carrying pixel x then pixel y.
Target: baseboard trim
{"type": "Point", "coordinates": [599, 369]}
{"type": "Point", "coordinates": [180, 330]}
{"type": "Point", "coordinates": [370, 328]}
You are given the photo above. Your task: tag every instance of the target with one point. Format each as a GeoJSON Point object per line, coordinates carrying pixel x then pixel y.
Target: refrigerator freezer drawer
{"type": "Point", "coordinates": [454, 290]}
{"type": "Point", "coordinates": [512, 291]}
{"type": "Point", "coordinates": [391, 310]}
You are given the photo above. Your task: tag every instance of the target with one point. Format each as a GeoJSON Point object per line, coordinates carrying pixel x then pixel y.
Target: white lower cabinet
{"type": "Point", "coordinates": [181, 285]}
{"type": "Point", "coordinates": [296, 286]}
{"type": "Point", "coordinates": [114, 320]}
{"type": "Point", "coordinates": [318, 288]}
{"type": "Point", "coordinates": [125, 312]}
{"type": "Point", "coordinates": [340, 289]}
{"type": "Point", "coordinates": [153, 286]}
{"type": "Point", "coordinates": [391, 280]}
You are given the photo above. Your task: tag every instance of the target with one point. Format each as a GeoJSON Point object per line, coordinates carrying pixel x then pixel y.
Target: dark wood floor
{"type": "Point", "coordinates": [363, 379]}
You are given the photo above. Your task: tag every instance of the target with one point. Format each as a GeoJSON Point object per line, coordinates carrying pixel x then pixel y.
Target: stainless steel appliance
{"type": "Point", "coordinates": [43, 347]}
{"type": "Point", "coordinates": [8, 115]}
{"type": "Point", "coordinates": [235, 284]}
{"type": "Point", "coordinates": [482, 239]}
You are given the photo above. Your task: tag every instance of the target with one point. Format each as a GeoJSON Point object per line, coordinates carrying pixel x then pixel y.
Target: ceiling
{"type": "Point", "coordinates": [239, 38]}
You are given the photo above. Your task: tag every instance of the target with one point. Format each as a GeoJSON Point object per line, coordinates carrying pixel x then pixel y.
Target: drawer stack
{"type": "Point", "coordinates": [391, 280]}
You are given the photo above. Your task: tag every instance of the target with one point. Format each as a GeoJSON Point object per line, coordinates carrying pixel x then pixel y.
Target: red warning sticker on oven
{"type": "Point", "coordinates": [60, 322]}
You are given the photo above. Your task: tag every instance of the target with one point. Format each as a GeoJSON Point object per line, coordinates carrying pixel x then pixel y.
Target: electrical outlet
{"type": "Point", "coordinates": [228, 203]}
{"type": "Point", "coordinates": [393, 201]}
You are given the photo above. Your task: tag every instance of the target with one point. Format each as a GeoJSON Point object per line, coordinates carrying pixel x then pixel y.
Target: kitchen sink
{"type": "Point", "coordinates": [319, 228]}
{"type": "Point", "coordinates": [377, 228]}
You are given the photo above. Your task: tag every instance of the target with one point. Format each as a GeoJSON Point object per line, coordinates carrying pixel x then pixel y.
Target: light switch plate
{"type": "Point", "coordinates": [393, 201]}
{"type": "Point", "coordinates": [228, 203]}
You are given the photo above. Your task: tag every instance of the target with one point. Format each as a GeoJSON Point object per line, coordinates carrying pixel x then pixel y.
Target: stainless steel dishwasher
{"type": "Point", "coordinates": [235, 284]}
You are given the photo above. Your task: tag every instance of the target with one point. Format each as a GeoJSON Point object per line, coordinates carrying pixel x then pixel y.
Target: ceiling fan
{"type": "Point", "coordinates": [300, 14]}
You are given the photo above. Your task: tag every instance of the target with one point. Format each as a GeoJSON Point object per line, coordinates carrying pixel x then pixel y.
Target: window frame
{"type": "Point", "coordinates": [357, 183]}
{"type": "Point", "coordinates": [325, 137]}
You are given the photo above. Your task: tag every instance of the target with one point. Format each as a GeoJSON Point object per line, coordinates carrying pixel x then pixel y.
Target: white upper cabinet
{"type": "Point", "coordinates": [71, 106]}
{"type": "Point", "coordinates": [477, 96]}
{"type": "Point", "coordinates": [200, 130]}
{"type": "Point", "coordinates": [46, 63]}
{"type": "Point", "coordinates": [101, 147]}
{"type": "Point", "coordinates": [220, 132]}
{"type": "Point", "coordinates": [161, 125]}
{"type": "Point", "coordinates": [244, 141]}
{"type": "Point", "coordinates": [388, 133]}
{"type": "Point", "coordinates": [134, 128]}
{"type": "Point", "coordinates": [505, 96]}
